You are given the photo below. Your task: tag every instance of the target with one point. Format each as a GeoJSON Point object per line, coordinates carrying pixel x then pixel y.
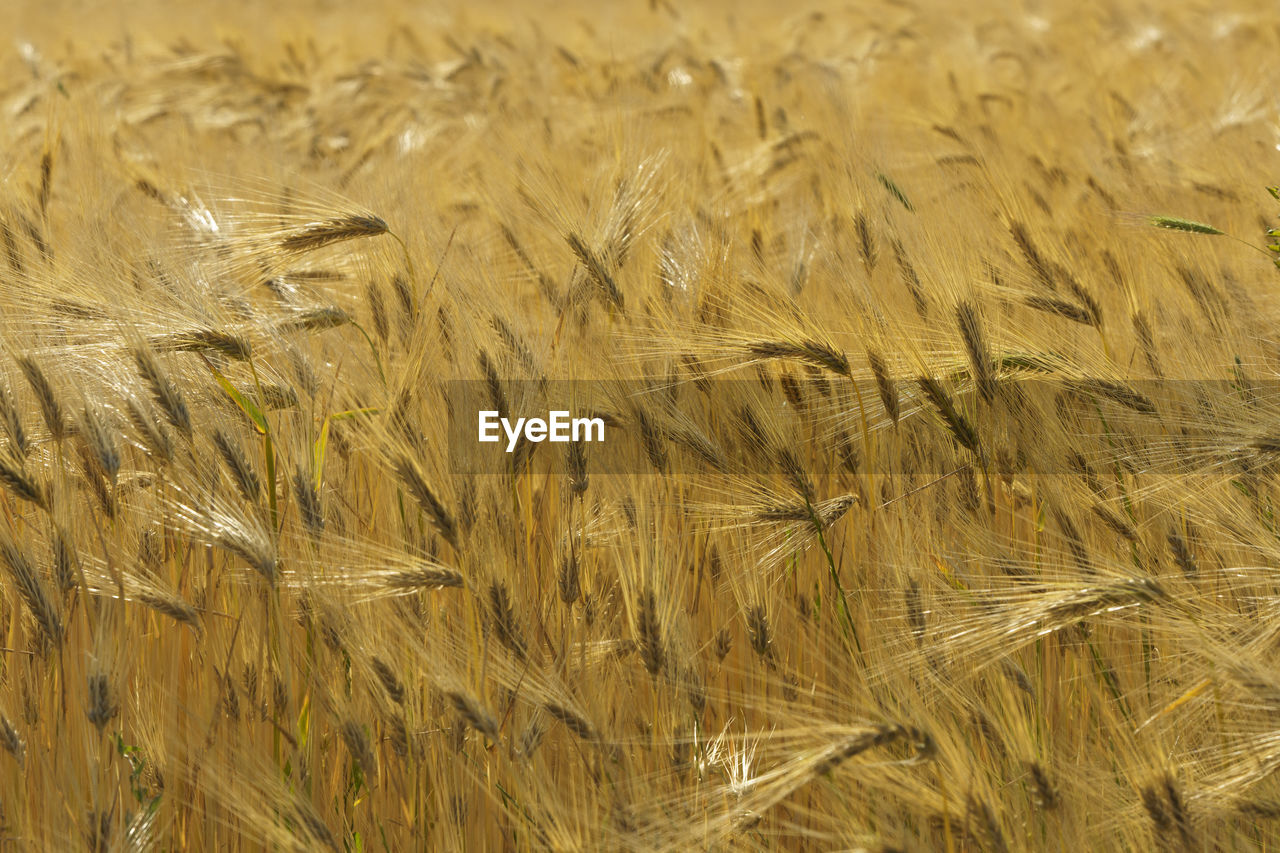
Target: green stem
{"type": "Point", "coordinates": [842, 605]}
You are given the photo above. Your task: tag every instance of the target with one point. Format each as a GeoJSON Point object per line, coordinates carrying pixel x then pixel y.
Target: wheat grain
{"type": "Point", "coordinates": [32, 590]}
{"type": "Point", "coordinates": [166, 394]}
{"type": "Point", "coordinates": [348, 227]}
{"type": "Point", "coordinates": [1177, 223]}
{"type": "Point", "coordinates": [50, 408]}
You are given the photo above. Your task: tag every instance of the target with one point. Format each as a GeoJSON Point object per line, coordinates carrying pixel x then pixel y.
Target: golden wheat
{"type": "Point", "coordinates": [936, 507]}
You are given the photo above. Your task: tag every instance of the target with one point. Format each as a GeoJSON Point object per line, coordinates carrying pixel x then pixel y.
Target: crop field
{"type": "Point", "coordinates": [924, 360]}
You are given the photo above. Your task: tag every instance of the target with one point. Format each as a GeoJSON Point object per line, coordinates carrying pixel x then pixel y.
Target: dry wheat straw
{"type": "Point", "coordinates": [334, 230]}
{"type": "Point", "coordinates": [1022, 237]}
{"type": "Point", "coordinates": [387, 678]}
{"type": "Point", "coordinates": [595, 267]}
{"type": "Point", "coordinates": [304, 491]}
{"type": "Point", "coordinates": [504, 620]}
{"type": "Point", "coordinates": [315, 319]}
{"type": "Point", "coordinates": [812, 352]}
{"type": "Point", "coordinates": [16, 480]}
{"type": "Point", "coordinates": [12, 253]}
{"type": "Point", "coordinates": [202, 340]}
{"type": "Point", "coordinates": [66, 564]}
{"type": "Point", "coordinates": [424, 577]}
{"type": "Point", "coordinates": [12, 423]}
{"type": "Point", "coordinates": [1146, 341]}
{"type": "Point", "coordinates": [866, 242]}
{"type": "Point", "coordinates": [238, 466]}
{"type": "Point", "coordinates": [1115, 522]}
{"type": "Point", "coordinates": [357, 742]}
{"type": "Point", "coordinates": [723, 644]}
{"type": "Point", "coordinates": [910, 278]}
{"type": "Point", "coordinates": [473, 714]}
{"type": "Point", "coordinates": [377, 310]}
{"type": "Point", "coordinates": [1122, 608]}
{"type": "Point", "coordinates": [1090, 602]}
{"type": "Point", "coordinates": [1083, 295]}
{"type": "Point", "coordinates": [856, 745]}
{"type": "Point", "coordinates": [154, 436]}
{"type": "Point", "coordinates": [568, 579]}
{"type": "Point", "coordinates": [172, 606]}
{"type": "Point", "coordinates": [12, 741]}
{"type": "Point", "coordinates": [885, 385]}
{"type": "Point", "coordinates": [440, 516]}
{"type": "Point", "coordinates": [761, 634]}
{"type": "Point", "coordinates": [653, 651]}
{"type": "Point", "coordinates": [1061, 308]}
{"type": "Point", "coordinates": [103, 707]}
{"type": "Point", "coordinates": [32, 590]}
{"type": "Point", "coordinates": [572, 721]}
{"type": "Point", "coordinates": [101, 442]}
{"type": "Point", "coordinates": [50, 408]}
{"type": "Point", "coordinates": [961, 430]}
{"type": "Point", "coordinates": [408, 306]}
{"type": "Point", "coordinates": [46, 182]}
{"type": "Point", "coordinates": [1182, 553]}
{"type": "Point", "coordinates": [245, 540]}
{"type": "Point", "coordinates": [168, 398]}
{"type": "Point", "coordinates": [976, 346]}
{"type": "Point", "coordinates": [1043, 790]}
{"type": "Point", "coordinates": [1117, 392]}
{"type": "Point", "coordinates": [576, 463]}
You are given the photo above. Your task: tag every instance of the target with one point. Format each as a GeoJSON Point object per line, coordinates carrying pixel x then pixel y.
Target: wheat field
{"type": "Point", "coordinates": [936, 345]}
